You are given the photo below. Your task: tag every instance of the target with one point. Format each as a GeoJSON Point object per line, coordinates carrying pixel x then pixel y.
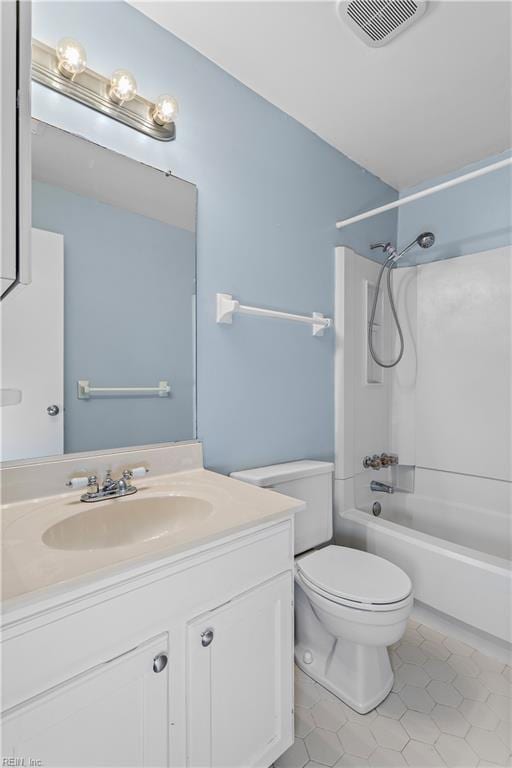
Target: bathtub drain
{"type": "Point", "coordinates": [376, 508]}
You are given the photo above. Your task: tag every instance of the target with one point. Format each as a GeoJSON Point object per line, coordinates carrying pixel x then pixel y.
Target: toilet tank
{"type": "Point", "coordinates": [309, 481]}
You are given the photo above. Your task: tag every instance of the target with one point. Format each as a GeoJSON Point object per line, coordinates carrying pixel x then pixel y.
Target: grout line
{"type": "Point", "coordinates": [456, 709]}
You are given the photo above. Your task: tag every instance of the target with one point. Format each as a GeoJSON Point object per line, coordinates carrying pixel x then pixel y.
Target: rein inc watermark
{"type": "Point", "coordinates": [20, 762]}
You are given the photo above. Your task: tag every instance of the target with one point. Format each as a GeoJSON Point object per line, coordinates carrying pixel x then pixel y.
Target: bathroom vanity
{"type": "Point", "coordinates": [154, 629]}
{"type": "Point", "coordinates": [174, 649]}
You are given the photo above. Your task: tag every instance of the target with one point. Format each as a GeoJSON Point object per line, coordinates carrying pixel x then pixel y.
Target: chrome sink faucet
{"type": "Point", "coordinates": [110, 488]}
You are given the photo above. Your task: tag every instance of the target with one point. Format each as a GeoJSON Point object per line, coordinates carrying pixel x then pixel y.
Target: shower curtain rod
{"type": "Point", "coordinates": [425, 192]}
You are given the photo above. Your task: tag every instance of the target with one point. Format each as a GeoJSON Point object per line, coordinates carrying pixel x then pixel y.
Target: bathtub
{"type": "Point", "coordinates": [470, 580]}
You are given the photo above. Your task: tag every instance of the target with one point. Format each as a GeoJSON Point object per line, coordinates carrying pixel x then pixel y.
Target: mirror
{"type": "Point", "coordinates": [98, 351]}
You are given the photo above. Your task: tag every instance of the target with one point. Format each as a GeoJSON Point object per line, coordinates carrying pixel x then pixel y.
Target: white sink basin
{"type": "Point", "coordinates": [116, 523]}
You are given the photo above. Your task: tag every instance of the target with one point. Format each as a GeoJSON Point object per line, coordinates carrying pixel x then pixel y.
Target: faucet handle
{"type": "Point", "coordinates": [82, 482]}
{"type": "Point", "coordinates": [377, 462]}
{"type": "Point", "coordinates": [138, 472]}
{"type": "Point", "coordinates": [388, 459]}
{"type": "Point", "coordinates": [90, 482]}
{"type": "Point", "coordinates": [127, 476]}
{"type": "Point", "coordinates": [372, 462]}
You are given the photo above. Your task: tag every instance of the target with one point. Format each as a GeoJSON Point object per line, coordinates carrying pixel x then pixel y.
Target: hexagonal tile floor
{"type": "Point", "coordinates": [450, 706]}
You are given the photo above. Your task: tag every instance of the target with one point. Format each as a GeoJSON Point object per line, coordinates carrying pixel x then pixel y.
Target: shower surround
{"type": "Point", "coordinates": [446, 411]}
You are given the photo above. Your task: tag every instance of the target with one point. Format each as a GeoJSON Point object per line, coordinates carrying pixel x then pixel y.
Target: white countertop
{"type": "Point", "coordinates": [31, 568]}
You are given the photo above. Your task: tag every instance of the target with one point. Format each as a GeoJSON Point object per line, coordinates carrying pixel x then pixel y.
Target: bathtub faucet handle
{"type": "Point", "coordinates": [377, 462]}
{"type": "Point", "coordinates": [388, 459]}
{"type": "Point", "coordinates": [372, 462]}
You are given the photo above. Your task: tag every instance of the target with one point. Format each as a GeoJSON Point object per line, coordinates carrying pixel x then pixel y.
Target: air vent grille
{"type": "Point", "coordinates": [378, 21]}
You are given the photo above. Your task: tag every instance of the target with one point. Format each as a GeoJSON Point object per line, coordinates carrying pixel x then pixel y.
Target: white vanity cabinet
{"type": "Point", "coordinates": [239, 679]}
{"type": "Point", "coordinates": [85, 683]}
{"type": "Point", "coordinates": [115, 714]}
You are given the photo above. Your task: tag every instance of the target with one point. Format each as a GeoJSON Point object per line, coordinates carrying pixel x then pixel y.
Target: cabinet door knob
{"type": "Point", "coordinates": [206, 637]}
{"type": "Point", "coordinates": [53, 410]}
{"type": "Point", "coordinates": [159, 662]}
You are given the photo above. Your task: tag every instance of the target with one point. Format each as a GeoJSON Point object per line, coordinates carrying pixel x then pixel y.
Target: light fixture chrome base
{"type": "Point", "coordinates": [92, 89]}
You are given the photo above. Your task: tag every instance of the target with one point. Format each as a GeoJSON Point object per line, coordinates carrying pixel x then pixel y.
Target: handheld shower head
{"type": "Point", "coordinates": [426, 239]}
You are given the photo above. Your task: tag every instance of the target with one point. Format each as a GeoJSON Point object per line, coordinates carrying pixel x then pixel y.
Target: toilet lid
{"type": "Point", "coordinates": [355, 575]}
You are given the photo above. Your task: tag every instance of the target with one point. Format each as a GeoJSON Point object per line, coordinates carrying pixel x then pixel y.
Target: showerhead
{"type": "Point", "coordinates": [426, 239]}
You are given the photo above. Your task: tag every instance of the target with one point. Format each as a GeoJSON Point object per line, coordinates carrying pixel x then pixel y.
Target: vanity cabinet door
{"type": "Point", "coordinates": [240, 679]}
{"type": "Point", "coordinates": [112, 715]}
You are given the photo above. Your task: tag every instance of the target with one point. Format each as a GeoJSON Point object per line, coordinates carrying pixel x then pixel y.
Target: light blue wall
{"type": "Point", "coordinates": [471, 217]}
{"type": "Point", "coordinates": [139, 336]}
{"type": "Point", "coordinates": [270, 192]}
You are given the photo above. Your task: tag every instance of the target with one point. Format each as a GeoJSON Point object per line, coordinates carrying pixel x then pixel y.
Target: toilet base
{"type": "Point", "coordinates": [352, 659]}
{"type": "Point", "coordinates": [361, 676]}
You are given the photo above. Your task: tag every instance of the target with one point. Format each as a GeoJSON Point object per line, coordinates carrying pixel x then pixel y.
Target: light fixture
{"type": "Point", "coordinates": [64, 69]}
{"type": "Point", "coordinates": [166, 110]}
{"type": "Point", "coordinates": [123, 86]}
{"type": "Point", "coordinates": [71, 57]}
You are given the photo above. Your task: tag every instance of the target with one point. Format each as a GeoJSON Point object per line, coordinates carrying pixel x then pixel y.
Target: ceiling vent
{"type": "Point", "coordinates": [377, 22]}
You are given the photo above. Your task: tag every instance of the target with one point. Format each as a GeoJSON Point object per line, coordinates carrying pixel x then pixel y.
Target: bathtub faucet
{"type": "Point", "coordinates": [377, 487]}
{"type": "Point", "coordinates": [377, 462]}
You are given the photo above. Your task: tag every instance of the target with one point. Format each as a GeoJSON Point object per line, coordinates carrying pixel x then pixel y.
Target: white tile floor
{"type": "Point", "coordinates": [450, 706]}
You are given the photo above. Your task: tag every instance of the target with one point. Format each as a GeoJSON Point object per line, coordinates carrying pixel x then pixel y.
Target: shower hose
{"type": "Point", "coordinates": [388, 264]}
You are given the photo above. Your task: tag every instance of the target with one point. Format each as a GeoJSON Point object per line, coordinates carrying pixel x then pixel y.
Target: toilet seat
{"type": "Point", "coordinates": [355, 579]}
{"type": "Point", "coordinates": [354, 606]}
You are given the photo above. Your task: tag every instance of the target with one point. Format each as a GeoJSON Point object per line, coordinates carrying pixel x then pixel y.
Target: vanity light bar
{"type": "Point", "coordinates": [64, 69]}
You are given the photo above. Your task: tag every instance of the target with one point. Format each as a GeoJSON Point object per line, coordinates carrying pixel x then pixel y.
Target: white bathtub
{"type": "Point", "coordinates": [470, 581]}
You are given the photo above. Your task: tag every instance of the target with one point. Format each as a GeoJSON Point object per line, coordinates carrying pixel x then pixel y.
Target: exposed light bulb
{"type": "Point", "coordinates": [71, 57]}
{"type": "Point", "coordinates": [165, 110]}
{"type": "Point", "coordinates": [123, 86]}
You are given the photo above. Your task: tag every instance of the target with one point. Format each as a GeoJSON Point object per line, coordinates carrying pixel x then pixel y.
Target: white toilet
{"type": "Point", "coordinates": [349, 605]}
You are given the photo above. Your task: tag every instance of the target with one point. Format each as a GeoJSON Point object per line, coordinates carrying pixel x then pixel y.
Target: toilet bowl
{"type": "Point", "coordinates": [349, 607]}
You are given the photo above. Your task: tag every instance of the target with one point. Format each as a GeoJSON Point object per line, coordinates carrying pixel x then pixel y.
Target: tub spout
{"type": "Point", "coordinates": [377, 487]}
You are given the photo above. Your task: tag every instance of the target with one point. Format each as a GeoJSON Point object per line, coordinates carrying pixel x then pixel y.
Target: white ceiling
{"type": "Point", "coordinates": [433, 100]}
